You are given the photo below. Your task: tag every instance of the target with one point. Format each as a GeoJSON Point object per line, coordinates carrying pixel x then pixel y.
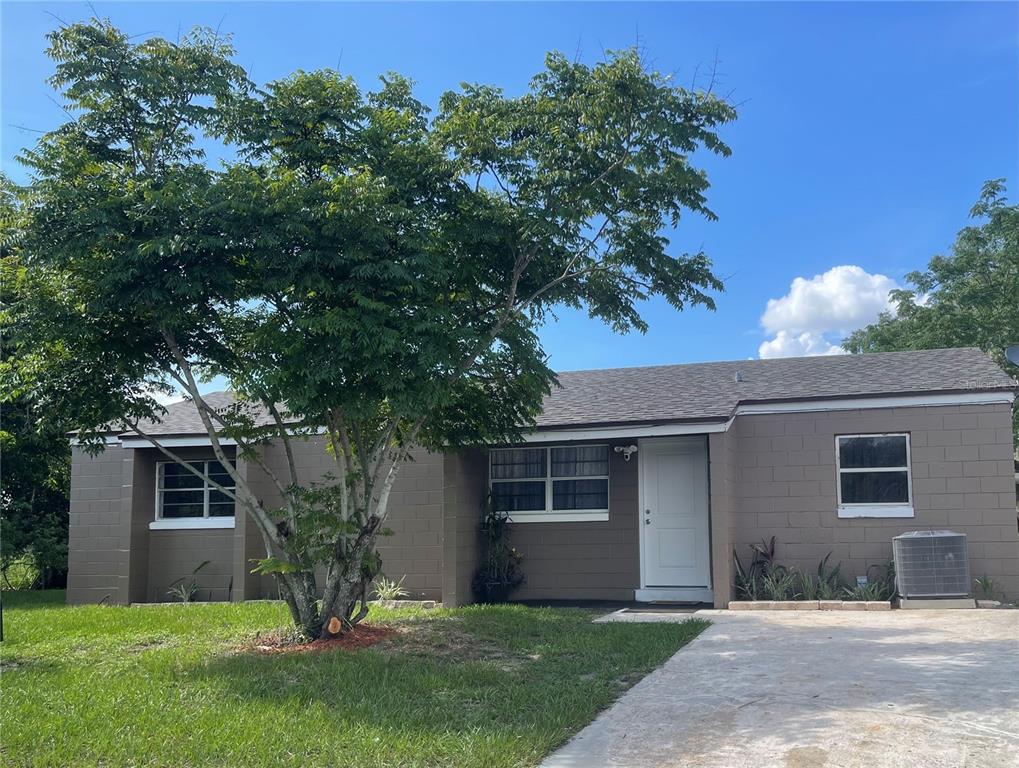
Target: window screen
{"type": "Point", "coordinates": [180, 493]}
{"type": "Point", "coordinates": [561, 479]}
{"type": "Point", "coordinates": [873, 469]}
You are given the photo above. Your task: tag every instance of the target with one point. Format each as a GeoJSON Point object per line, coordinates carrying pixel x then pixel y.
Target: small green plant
{"type": "Point", "coordinates": [827, 584]}
{"type": "Point", "coordinates": [810, 588]}
{"type": "Point", "coordinates": [879, 586]}
{"type": "Point", "coordinates": [749, 580]}
{"type": "Point", "coordinates": [185, 589]}
{"type": "Point", "coordinates": [499, 572]}
{"type": "Point", "coordinates": [388, 589]}
{"type": "Point", "coordinates": [988, 587]}
{"type": "Point", "coordinates": [780, 583]}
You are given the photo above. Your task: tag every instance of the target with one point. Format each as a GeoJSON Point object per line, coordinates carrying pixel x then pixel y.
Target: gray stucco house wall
{"type": "Point", "coordinates": [698, 460]}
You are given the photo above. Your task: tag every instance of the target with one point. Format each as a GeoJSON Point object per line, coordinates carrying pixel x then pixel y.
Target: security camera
{"type": "Point", "coordinates": [626, 450]}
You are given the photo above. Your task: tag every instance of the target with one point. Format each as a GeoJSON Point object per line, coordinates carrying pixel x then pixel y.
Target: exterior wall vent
{"type": "Point", "coordinates": [931, 564]}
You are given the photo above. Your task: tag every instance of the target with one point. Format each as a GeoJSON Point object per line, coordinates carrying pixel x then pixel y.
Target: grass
{"type": "Point", "coordinates": [179, 685]}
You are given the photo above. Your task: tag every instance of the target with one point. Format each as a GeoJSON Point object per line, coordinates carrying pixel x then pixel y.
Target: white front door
{"type": "Point", "coordinates": [674, 519]}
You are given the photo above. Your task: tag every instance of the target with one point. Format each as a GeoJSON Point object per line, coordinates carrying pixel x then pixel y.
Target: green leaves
{"type": "Point", "coordinates": [357, 263]}
{"type": "Point", "coordinates": [967, 298]}
{"type": "Point", "coordinates": [591, 165]}
{"type": "Point", "coordinates": [273, 565]}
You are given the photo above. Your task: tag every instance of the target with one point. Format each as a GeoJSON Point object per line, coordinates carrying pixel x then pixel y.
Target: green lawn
{"type": "Point", "coordinates": [179, 685]}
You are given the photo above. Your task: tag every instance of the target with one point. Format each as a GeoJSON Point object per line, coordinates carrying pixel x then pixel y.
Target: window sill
{"type": "Point", "coordinates": [191, 524]}
{"type": "Point", "coordinates": [559, 517]}
{"type": "Point", "coordinates": [875, 510]}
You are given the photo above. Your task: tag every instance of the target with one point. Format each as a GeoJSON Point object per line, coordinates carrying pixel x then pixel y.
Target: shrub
{"type": "Point", "coordinates": [988, 588]}
{"type": "Point", "coordinates": [780, 583]}
{"type": "Point", "coordinates": [499, 572]}
{"type": "Point", "coordinates": [185, 589]}
{"type": "Point", "coordinates": [749, 580]}
{"type": "Point", "coordinates": [880, 586]}
{"type": "Point", "coordinates": [827, 584]}
{"type": "Point", "coordinates": [764, 579]}
{"type": "Point", "coordinates": [387, 589]}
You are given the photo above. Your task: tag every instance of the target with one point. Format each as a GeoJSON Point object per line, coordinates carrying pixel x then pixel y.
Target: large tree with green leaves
{"type": "Point", "coordinates": [35, 458]}
{"type": "Point", "coordinates": [360, 267]}
{"type": "Point", "coordinates": [969, 297]}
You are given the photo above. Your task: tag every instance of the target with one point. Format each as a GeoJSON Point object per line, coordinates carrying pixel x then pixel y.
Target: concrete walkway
{"type": "Point", "coordinates": [806, 689]}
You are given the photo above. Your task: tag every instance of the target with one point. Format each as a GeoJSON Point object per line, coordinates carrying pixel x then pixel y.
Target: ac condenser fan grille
{"type": "Point", "coordinates": [931, 564]}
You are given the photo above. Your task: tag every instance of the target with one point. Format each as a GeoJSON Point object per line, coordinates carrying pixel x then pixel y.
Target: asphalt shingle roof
{"type": "Point", "coordinates": [711, 392]}
{"type": "Point", "coordinates": [182, 418]}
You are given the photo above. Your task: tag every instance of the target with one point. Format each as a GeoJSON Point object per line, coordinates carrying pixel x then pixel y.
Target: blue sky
{"type": "Point", "coordinates": [865, 131]}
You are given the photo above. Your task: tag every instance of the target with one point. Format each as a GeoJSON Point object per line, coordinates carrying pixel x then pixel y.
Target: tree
{"type": "Point", "coordinates": [34, 452]}
{"type": "Point", "coordinates": [967, 298]}
{"type": "Point", "coordinates": [34, 502]}
{"type": "Point", "coordinates": [359, 268]}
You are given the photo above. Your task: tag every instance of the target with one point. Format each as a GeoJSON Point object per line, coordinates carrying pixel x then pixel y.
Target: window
{"type": "Point", "coordinates": [563, 483]}
{"type": "Point", "coordinates": [183, 499]}
{"type": "Point", "coordinates": [873, 475]}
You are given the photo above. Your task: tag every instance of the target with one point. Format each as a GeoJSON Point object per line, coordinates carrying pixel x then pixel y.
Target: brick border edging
{"type": "Point", "coordinates": [810, 605]}
{"type": "Point", "coordinates": [396, 604]}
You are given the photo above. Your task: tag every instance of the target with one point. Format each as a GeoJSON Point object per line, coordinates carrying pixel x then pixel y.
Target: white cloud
{"type": "Point", "coordinates": [805, 320]}
{"type": "Point", "coordinates": [787, 344]}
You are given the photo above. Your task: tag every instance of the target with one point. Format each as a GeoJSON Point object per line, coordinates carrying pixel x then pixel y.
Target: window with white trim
{"type": "Point", "coordinates": [554, 484]}
{"type": "Point", "coordinates": [873, 475]}
{"type": "Point", "coordinates": [183, 495]}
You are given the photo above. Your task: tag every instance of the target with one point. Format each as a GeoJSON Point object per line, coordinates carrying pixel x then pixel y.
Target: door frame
{"type": "Point", "coordinates": [673, 594]}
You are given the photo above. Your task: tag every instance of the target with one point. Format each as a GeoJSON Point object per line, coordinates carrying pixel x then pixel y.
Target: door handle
{"type": "Point", "coordinates": [647, 521]}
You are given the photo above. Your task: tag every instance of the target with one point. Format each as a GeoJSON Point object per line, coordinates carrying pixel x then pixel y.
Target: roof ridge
{"type": "Point", "coordinates": [769, 360]}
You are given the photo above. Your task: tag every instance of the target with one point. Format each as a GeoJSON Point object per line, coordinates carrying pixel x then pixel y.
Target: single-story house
{"type": "Point", "coordinates": [636, 484]}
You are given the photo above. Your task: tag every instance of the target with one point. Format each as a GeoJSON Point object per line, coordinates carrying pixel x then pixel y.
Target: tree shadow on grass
{"type": "Point", "coordinates": [510, 678]}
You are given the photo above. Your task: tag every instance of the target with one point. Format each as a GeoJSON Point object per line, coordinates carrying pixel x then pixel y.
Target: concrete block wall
{"type": "Point", "coordinates": [98, 551]}
{"type": "Point", "coordinates": [113, 554]}
{"type": "Point", "coordinates": [586, 560]}
{"type": "Point", "coordinates": [465, 485]}
{"type": "Point", "coordinates": [139, 485]}
{"type": "Point", "coordinates": [175, 554]}
{"type": "Point", "coordinates": [962, 474]}
{"type": "Point", "coordinates": [413, 552]}
{"type": "Point", "coordinates": [722, 477]}
{"type": "Point", "coordinates": [770, 475]}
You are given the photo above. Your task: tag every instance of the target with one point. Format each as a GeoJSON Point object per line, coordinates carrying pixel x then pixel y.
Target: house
{"type": "Point", "coordinates": [637, 484]}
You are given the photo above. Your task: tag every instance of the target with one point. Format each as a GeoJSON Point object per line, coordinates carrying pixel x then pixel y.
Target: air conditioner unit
{"type": "Point", "coordinates": [931, 564]}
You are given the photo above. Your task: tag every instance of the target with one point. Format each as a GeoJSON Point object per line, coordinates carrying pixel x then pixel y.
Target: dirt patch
{"type": "Point", "coordinates": [361, 636]}
{"type": "Point", "coordinates": [445, 640]}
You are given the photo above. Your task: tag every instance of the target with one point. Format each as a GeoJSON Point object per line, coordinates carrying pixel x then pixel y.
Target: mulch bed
{"type": "Point", "coordinates": [361, 636]}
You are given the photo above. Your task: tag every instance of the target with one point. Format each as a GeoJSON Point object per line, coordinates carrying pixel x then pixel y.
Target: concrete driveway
{"type": "Point", "coordinates": [808, 689]}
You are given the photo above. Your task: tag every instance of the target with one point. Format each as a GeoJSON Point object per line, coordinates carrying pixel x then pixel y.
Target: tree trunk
{"type": "Point", "coordinates": [355, 563]}
{"type": "Point", "coordinates": [346, 599]}
{"type": "Point", "coordinates": [345, 602]}
{"type": "Point", "coordinates": [349, 607]}
{"type": "Point", "coordinates": [299, 593]}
